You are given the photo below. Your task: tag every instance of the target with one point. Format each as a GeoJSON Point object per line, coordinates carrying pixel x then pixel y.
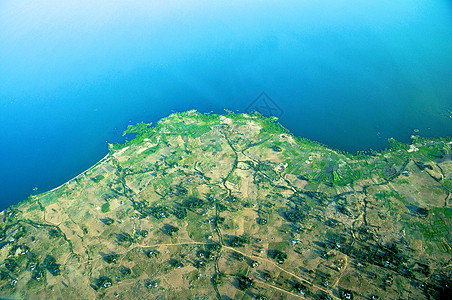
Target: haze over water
{"type": "Point", "coordinates": [350, 74]}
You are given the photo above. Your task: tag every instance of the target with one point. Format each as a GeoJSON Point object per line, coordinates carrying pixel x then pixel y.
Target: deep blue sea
{"type": "Point", "coordinates": [347, 73]}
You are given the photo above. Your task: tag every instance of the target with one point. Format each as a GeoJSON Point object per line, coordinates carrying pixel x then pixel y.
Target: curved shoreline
{"type": "Point", "coordinates": [75, 177]}
{"type": "Point", "coordinates": [93, 166]}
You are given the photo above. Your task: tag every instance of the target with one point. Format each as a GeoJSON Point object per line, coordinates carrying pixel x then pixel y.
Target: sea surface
{"type": "Point", "coordinates": [347, 73]}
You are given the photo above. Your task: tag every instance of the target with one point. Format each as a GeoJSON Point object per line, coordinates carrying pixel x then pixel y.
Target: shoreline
{"type": "Point", "coordinates": [54, 189]}
{"type": "Point", "coordinates": [100, 161]}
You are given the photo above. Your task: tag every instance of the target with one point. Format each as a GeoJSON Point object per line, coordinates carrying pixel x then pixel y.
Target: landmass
{"type": "Point", "coordinates": [233, 206]}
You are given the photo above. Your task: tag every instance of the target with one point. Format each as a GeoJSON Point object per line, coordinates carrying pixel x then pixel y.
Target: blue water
{"type": "Point", "coordinates": [350, 74]}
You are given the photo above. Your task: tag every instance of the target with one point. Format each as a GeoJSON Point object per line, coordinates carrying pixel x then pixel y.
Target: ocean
{"type": "Point", "coordinates": [349, 74]}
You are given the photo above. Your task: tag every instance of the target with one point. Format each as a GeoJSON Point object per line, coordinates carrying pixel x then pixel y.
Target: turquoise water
{"type": "Point", "coordinates": [350, 74]}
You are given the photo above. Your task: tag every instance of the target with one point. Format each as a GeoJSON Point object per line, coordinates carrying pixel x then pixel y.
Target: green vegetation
{"type": "Point", "coordinates": [171, 230]}
{"type": "Point", "coordinates": [279, 256]}
{"type": "Point", "coordinates": [51, 265]}
{"type": "Point", "coordinates": [245, 283]}
{"type": "Point", "coordinates": [240, 241]}
{"type": "Point", "coordinates": [103, 282]}
{"type": "Point", "coordinates": [98, 178]}
{"type": "Point", "coordinates": [108, 221]}
{"type": "Point", "coordinates": [111, 258]}
{"type": "Point", "coordinates": [153, 253]}
{"type": "Point", "coordinates": [105, 207]}
{"type": "Point", "coordinates": [235, 206]}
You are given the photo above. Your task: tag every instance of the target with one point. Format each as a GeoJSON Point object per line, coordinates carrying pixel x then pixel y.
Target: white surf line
{"type": "Point", "coordinates": [100, 161]}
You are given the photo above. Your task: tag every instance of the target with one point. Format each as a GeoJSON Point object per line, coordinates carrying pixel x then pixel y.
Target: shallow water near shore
{"type": "Point", "coordinates": [349, 74]}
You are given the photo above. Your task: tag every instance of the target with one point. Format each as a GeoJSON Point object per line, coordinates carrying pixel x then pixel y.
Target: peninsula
{"type": "Point", "coordinates": [233, 206]}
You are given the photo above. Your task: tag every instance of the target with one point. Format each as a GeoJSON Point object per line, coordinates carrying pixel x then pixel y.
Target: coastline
{"type": "Point", "coordinates": [96, 164]}
{"type": "Point", "coordinates": [124, 147]}
{"type": "Point", "coordinates": [75, 177]}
